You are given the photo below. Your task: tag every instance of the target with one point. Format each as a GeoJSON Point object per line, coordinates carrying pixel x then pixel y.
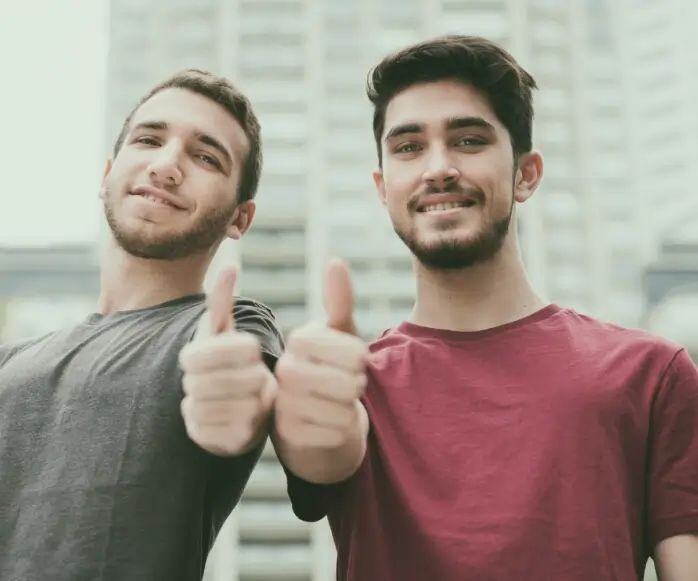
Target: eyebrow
{"type": "Point", "coordinates": [404, 128]}
{"type": "Point", "coordinates": [156, 125]}
{"type": "Point", "coordinates": [465, 122]}
{"type": "Point", "coordinates": [213, 142]}
{"type": "Point", "coordinates": [451, 123]}
{"type": "Point", "coordinates": [204, 138]}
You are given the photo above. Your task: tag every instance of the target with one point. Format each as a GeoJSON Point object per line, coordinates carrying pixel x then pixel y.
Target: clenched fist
{"type": "Point", "coordinates": [229, 392]}
{"type": "Point", "coordinates": [319, 418]}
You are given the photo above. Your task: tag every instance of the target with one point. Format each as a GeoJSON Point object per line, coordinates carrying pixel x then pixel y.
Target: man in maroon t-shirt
{"type": "Point", "coordinates": [493, 436]}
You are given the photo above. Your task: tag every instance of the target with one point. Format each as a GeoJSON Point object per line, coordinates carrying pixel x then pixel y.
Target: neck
{"type": "Point", "coordinates": [481, 296]}
{"type": "Point", "coordinates": [128, 282]}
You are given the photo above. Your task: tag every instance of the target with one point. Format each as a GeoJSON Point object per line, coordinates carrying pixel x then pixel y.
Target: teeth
{"type": "Point", "coordinates": [156, 200]}
{"type": "Point", "coordinates": [448, 206]}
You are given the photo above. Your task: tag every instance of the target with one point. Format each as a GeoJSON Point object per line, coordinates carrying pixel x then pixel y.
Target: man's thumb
{"type": "Point", "coordinates": [218, 317]}
{"type": "Point", "coordinates": [339, 297]}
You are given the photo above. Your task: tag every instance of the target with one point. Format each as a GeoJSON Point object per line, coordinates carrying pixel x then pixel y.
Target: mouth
{"type": "Point", "coordinates": [156, 200]}
{"type": "Point", "coordinates": [445, 206]}
{"type": "Point", "coordinates": [158, 197]}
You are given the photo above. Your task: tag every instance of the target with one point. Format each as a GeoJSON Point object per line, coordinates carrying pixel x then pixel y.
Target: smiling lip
{"type": "Point", "coordinates": [443, 202]}
{"type": "Point", "coordinates": [158, 195]}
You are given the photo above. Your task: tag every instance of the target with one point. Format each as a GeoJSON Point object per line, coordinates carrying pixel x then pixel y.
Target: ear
{"type": "Point", "coordinates": [241, 220]}
{"type": "Point", "coordinates": [107, 170]}
{"type": "Point", "coordinates": [528, 175]}
{"type": "Point", "coordinates": [380, 184]}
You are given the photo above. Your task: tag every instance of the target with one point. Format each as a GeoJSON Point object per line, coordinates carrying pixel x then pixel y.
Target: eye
{"type": "Point", "coordinates": [147, 140]}
{"type": "Point", "coordinates": [471, 142]}
{"type": "Point", "coordinates": [209, 160]}
{"type": "Point", "coordinates": [407, 148]}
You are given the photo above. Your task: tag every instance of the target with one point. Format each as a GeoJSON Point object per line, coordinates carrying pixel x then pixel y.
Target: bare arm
{"type": "Point", "coordinates": [333, 461]}
{"type": "Point", "coordinates": [676, 558]}
{"type": "Point", "coordinates": [320, 425]}
{"type": "Point", "coordinates": [229, 392]}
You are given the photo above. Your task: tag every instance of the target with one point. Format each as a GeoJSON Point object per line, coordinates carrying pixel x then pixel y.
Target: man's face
{"type": "Point", "coordinates": [448, 174]}
{"type": "Point", "coordinates": [171, 190]}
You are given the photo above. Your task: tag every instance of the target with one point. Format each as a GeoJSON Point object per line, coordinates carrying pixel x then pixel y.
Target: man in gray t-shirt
{"type": "Point", "coordinates": [126, 441]}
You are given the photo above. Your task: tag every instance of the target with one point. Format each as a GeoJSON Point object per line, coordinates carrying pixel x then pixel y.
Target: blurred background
{"type": "Point", "coordinates": [612, 232]}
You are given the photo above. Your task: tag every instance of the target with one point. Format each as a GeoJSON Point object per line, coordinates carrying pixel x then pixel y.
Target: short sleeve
{"type": "Point", "coordinates": [257, 319]}
{"type": "Point", "coordinates": [673, 453]}
{"type": "Point", "coordinates": [310, 501]}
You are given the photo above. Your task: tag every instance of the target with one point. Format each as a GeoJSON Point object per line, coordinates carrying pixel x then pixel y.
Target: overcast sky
{"type": "Point", "coordinates": [53, 63]}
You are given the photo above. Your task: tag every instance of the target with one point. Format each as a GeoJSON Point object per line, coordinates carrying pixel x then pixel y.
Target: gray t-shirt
{"type": "Point", "coordinates": [98, 478]}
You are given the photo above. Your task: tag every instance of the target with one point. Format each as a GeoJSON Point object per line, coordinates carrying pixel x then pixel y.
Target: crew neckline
{"type": "Point", "coordinates": [415, 330]}
{"type": "Point", "coordinates": [94, 318]}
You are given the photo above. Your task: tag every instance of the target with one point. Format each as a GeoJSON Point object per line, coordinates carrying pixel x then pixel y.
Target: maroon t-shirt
{"type": "Point", "coordinates": [555, 447]}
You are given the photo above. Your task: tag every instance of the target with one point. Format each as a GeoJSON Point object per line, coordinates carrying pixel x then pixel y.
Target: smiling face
{"type": "Point", "coordinates": [171, 190]}
{"type": "Point", "coordinates": [448, 176]}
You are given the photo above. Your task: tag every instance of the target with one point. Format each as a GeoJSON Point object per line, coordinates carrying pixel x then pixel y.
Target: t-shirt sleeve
{"type": "Point", "coordinates": [256, 318]}
{"type": "Point", "coordinates": [673, 453]}
{"type": "Point", "coordinates": [310, 501]}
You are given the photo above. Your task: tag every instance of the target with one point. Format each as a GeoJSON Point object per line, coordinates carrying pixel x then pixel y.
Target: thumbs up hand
{"type": "Point", "coordinates": [320, 424]}
{"type": "Point", "coordinates": [229, 391]}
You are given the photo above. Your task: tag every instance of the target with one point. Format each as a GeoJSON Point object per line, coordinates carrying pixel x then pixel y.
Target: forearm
{"type": "Point", "coordinates": [325, 464]}
{"type": "Point", "coordinates": [676, 558]}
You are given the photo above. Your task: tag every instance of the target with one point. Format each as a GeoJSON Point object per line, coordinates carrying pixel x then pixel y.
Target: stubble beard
{"type": "Point", "coordinates": [452, 253]}
{"type": "Point", "coordinates": [198, 239]}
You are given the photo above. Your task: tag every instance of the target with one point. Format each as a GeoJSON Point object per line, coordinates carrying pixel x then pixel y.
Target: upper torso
{"type": "Point", "coordinates": [98, 479]}
{"type": "Point", "coordinates": [518, 452]}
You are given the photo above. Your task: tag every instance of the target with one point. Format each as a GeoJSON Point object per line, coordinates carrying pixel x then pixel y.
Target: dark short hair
{"type": "Point", "coordinates": [470, 59]}
{"type": "Point", "coordinates": [221, 91]}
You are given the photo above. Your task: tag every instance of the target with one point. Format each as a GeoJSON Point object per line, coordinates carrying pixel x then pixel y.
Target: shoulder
{"type": "Point", "coordinates": [610, 332]}
{"type": "Point", "coordinates": [257, 318]}
{"type": "Point", "coordinates": [590, 335]}
{"type": "Point", "coordinates": [9, 350]}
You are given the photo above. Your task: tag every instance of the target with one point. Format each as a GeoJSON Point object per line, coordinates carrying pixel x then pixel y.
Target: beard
{"type": "Point", "coordinates": [199, 238]}
{"type": "Point", "coordinates": [451, 253]}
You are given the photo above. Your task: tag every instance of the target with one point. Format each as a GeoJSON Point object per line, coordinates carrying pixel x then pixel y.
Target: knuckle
{"type": "Point", "coordinates": [344, 420]}
{"type": "Point", "coordinates": [330, 439]}
{"type": "Point", "coordinates": [184, 407]}
{"type": "Point", "coordinates": [259, 376]}
{"type": "Point", "coordinates": [297, 341]}
{"type": "Point", "coordinates": [289, 372]}
{"type": "Point", "coordinates": [284, 368]}
{"type": "Point", "coordinates": [360, 384]}
{"type": "Point", "coordinates": [185, 357]}
{"type": "Point", "coordinates": [193, 430]}
{"type": "Point", "coordinates": [187, 383]}
{"type": "Point", "coordinates": [243, 340]}
{"type": "Point", "coordinates": [285, 408]}
{"type": "Point", "coordinates": [191, 383]}
{"type": "Point", "coordinates": [237, 438]}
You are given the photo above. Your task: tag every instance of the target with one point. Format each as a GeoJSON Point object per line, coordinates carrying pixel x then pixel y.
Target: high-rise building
{"type": "Point", "coordinates": [303, 63]}
{"type": "Point", "coordinates": [660, 78]}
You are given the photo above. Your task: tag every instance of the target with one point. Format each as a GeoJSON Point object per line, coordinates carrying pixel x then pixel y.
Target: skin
{"type": "Point", "coordinates": [478, 159]}
{"type": "Point", "coordinates": [186, 149]}
{"type": "Point", "coordinates": [676, 558]}
{"type": "Point", "coordinates": [320, 426]}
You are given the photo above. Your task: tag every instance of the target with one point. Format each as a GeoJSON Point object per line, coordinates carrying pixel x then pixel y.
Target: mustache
{"type": "Point", "coordinates": [452, 188]}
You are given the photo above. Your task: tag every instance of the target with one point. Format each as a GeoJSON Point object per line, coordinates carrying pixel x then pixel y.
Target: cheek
{"type": "Point", "coordinates": [495, 178]}
{"type": "Point", "coordinates": [400, 184]}
{"type": "Point", "coordinates": [120, 172]}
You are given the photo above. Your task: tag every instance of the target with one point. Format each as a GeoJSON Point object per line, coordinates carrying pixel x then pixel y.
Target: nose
{"type": "Point", "coordinates": [164, 169]}
{"type": "Point", "coordinates": [441, 170]}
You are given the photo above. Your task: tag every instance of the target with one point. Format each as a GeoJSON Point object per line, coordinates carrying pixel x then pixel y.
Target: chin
{"type": "Point", "coordinates": [457, 249]}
